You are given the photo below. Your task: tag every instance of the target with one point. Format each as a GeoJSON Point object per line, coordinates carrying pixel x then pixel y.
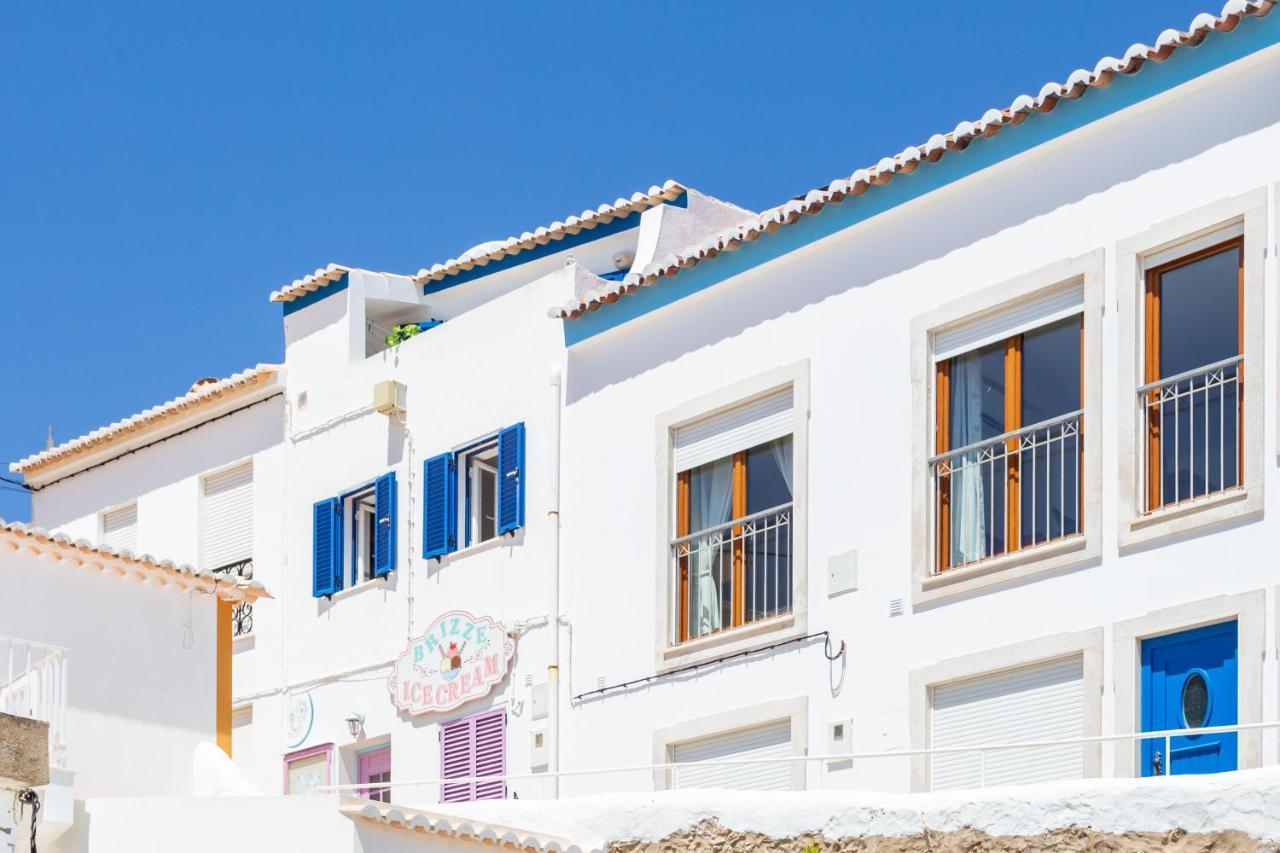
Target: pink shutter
{"type": "Point", "coordinates": [474, 746]}
{"type": "Point", "coordinates": [457, 753]}
{"type": "Point", "coordinates": [491, 754]}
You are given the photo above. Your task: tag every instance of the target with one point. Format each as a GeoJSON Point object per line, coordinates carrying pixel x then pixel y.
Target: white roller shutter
{"type": "Point", "coordinates": [1041, 702]}
{"type": "Point", "coordinates": [770, 741]}
{"type": "Point", "coordinates": [242, 737]}
{"type": "Point", "coordinates": [1025, 315]}
{"type": "Point", "coordinates": [227, 525]}
{"type": "Point", "coordinates": [739, 428]}
{"type": "Point", "coordinates": [120, 528]}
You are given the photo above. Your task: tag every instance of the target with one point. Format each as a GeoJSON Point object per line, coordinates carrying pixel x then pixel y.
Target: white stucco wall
{"type": "Point", "coordinates": [140, 670]}
{"type": "Point", "coordinates": [844, 306]}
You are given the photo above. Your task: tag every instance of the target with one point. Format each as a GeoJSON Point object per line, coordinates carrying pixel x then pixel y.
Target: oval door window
{"type": "Point", "coordinates": [1195, 700]}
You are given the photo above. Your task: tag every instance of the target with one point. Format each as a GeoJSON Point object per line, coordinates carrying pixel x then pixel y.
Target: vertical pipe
{"type": "Point", "coordinates": [553, 585]}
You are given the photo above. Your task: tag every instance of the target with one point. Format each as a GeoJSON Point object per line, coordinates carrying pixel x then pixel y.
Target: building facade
{"type": "Point", "coordinates": [971, 447]}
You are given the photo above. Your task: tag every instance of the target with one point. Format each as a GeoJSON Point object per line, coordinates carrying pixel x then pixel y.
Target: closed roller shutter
{"type": "Point", "coordinates": [120, 528]}
{"type": "Point", "coordinates": [739, 428]}
{"type": "Point", "coordinates": [1041, 702]}
{"type": "Point", "coordinates": [1039, 310]}
{"type": "Point", "coordinates": [771, 741]}
{"type": "Point", "coordinates": [242, 740]}
{"type": "Point", "coordinates": [227, 535]}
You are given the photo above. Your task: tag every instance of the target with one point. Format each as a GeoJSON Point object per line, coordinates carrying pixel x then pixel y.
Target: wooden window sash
{"type": "Point", "coordinates": [1012, 421]}
{"type": "Point", "coordinates": [941, 443]}
{"type": "Point", "coordinates": [682, 530]}
{"type": "Point", "coordinates": [739, 596]}
{"type": "Point", "coordinates": [1151, 359]}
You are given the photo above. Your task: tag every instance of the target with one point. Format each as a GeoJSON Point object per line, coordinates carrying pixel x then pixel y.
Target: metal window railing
{"type": "Point", "coordinates": [732, 574]}
{"type": "Point", "coordinates": [638, 777]}
{"type": "Point", "coordinates": [1193, 444]}
{"type": "Point", "coordinates": [1016, 490]}
{"type": "Point", "coordinates": [35, 686]}
{"type": "Point", "coordinates": [242, 613]}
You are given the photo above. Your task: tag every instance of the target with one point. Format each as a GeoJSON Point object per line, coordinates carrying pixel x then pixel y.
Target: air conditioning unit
{"type": "Point", "coordinates": [389, 397]}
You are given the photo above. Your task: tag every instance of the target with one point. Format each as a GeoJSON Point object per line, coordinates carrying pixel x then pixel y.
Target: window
{"type": "Point", "coordinates": [1192, 399]}
{"type": "Point", "coordinates": [307, 769]}
{"type": "Point", "coordinates": [373, 767]}
{"type": "Point", "coordinates": [354, 536]}
{"type": "Point", "coordinates": [474, 746]}
{"type": "Point", "coordinates": [120, 527]}
{"type": "Point", "coordinates": [732, 550]}
{"type": "Point", "coordinates": [474, 494]}
{"type": "Point", "coordinates": [226, 517]}
{"type": "Point", "coordinates": [1008, 440]}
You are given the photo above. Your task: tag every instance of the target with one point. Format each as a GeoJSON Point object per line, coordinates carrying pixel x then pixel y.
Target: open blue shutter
{"type": "Point", "coordinates": [326, 578]}
{"type": "Point", "coordinates": [384, 514]}
{"type": "Point", "coordinates": [439, 506]}
{"type": "Point", "coordinates": [511, 478]}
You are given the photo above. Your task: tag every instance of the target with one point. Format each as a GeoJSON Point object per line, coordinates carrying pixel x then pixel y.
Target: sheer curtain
{"type": "Point", "coordinates": [710, 502]}
{"type": "Point", "coordinates": [782, 456]}
{"type": "Point", "coordinates": [968, 499]}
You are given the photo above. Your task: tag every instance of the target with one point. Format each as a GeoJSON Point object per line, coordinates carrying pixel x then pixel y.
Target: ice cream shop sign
{"type": "Point", "coordinates": [458, 658]}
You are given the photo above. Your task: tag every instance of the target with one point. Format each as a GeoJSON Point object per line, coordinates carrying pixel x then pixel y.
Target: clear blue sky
{"type": "Point", "coordinates": [163, 167]}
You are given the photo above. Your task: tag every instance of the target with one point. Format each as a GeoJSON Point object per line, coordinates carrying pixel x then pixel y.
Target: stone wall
{"type": "Point", "coordinates": [24, 751]}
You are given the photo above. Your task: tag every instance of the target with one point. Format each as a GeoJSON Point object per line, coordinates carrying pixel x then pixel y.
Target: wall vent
{"type": "Point", "coordinates": [600, 682]}
{"type": "Point", "coordinates": [895, 607]}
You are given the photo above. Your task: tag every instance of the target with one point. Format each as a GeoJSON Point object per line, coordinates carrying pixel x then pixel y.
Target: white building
{"type": "Point", "coordinates": [973, 446]}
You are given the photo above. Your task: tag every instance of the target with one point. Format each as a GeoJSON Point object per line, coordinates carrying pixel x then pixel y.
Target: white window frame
{"type": "Point", "coordinates": [1133, 257]}
{"type": "Point", "coordinates": [796, 710]}
{"type": "Point", "coordinates": [1086, 644]}
{"type": "Point", "coordinates": [472, 459]}
{"type": "Point", "coordinates": [927, 586]}
{"type": "Point", "coordinates": [670, 656]}
{"type": "Point", "coordinates": [359, 518]}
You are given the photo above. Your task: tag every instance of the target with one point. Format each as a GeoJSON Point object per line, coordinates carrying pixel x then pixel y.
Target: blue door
{"type": "Point", "coordinates": [1188, 682]}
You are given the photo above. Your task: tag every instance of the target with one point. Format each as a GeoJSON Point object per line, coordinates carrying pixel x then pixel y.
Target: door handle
{"type": "Point", "coordinates": [1157, 764]}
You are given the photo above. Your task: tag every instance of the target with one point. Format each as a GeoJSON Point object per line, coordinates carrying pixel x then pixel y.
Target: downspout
{"type": "Point", "coordinates": [553, 586]}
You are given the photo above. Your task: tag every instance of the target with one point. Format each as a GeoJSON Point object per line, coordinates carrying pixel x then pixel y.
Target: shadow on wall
{"type": "Point", "coordinates": [916, 234]}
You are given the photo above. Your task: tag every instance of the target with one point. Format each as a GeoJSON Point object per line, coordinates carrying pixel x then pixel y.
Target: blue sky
{"type": "Point", "coordinates": [164, 167]}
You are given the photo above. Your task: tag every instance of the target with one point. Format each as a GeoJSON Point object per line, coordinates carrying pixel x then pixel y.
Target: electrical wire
{"type": "Point", "coordinates": [826, 652]}
{"type": "Point", "coordinates": [18, 483]}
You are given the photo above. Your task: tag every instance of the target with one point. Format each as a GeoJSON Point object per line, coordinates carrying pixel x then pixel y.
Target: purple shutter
{"type": "Point", "coordinates": [491, 753]}
{"type": "Point", "coordinates": [474, 746]}
{"type": "Point", "coordinates": [457, 749]}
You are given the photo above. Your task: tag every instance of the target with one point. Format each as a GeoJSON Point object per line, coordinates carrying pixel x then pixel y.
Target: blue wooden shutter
{"type": "Point", "coordinates": [326, 578]}
{"type": "Point", "coordinates": [384, 519]}
{"type": "Point", "coordinates": [511, 478]}
{"type": "Point", "coordinates": [439, 506]}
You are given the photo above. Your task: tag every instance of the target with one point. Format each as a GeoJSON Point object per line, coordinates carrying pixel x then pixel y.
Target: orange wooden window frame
{"type": "Point", "coordinates": [1151, 356]}
{"type": "Point", "coordinates": [1013, 346]}
{"type": "Point", "coordinates": [738, 614]}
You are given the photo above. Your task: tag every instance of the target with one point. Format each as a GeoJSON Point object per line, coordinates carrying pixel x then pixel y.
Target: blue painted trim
{"type": "Point", "coordinates": [586, 235]}
{"type": "Point", "coordinates": [1187, 63]}
{"type": "Point", "coordinates": [315, 296]}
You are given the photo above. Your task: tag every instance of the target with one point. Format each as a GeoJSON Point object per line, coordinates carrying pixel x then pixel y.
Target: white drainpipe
{"type": "Point", "coordinates": [553, 587]}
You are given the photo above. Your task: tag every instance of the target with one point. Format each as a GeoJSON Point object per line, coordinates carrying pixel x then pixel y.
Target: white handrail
{"type": "Point", "coordinates": [1165, 735]}
{"type": "Point", "coordinates": [34, 685]}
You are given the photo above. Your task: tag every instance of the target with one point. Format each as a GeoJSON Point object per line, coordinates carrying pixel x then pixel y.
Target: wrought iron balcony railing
{"type": "Point", "coordinates": [242, 613]}
{"type": "Point", "coordinates": [1193, 445]}
{"type": "Point", "coordinates": [732, 574]}
{"type": "Point", "coordinates": [1013, 491]}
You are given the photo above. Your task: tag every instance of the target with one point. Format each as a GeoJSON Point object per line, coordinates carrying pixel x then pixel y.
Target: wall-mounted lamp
{"type": "Point", "coordinates": [355, 723]}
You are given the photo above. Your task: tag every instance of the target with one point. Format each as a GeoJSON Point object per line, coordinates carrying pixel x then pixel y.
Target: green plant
{"type": "Point", "coordinates": [400, 334]}
{"type": "Point", "coordinates": [811, 848]}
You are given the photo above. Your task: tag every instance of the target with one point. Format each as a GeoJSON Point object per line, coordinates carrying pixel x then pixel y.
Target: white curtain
{"type": "Point", "coordinates": [782, 456]}
{"type": "Point", "coordinates": [968, 492]}
{"type": "Point", "coordinates": [710, 502]}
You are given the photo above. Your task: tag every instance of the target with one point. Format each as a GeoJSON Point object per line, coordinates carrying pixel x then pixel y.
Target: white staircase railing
{"type": "Point", "coordinates": [33, 684]}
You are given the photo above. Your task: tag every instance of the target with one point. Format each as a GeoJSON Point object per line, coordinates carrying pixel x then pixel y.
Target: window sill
{"type": "Point", "coordinates": [505, 540]}
{"type": "Point", "coordinates": [1190, 516]}
{"type": "Point", "coordinates": [244, 642]}
{"type": "Point", "coordinates": [736, 640]}
{"type": "Point", "coordinates": [383, 582]}
{"type": "Point", "coordinates": [1007, 568]}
